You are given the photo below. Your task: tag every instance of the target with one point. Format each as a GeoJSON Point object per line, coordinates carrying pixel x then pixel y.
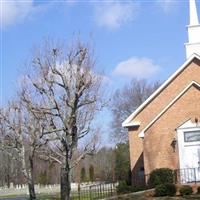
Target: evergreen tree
{"type": "Point", "coordinates": [83, 174]}
{"type": "Point", "coordinates": [43, 178]}
{"type": "Point", "coordinates": [122, 163]}
{"type": "Point", "coordinates": [91, 173]}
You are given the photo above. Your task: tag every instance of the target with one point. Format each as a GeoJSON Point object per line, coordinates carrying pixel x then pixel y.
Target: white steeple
{"type": "Point", "coordinates": [193, 46]}
{"type": "Point", "coordinates": [193, 13]}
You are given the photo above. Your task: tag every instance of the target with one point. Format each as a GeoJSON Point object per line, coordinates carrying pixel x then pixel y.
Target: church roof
{"type": "Point", "coordinates": [193, 83]}
{"type": "Point", "coordinates": [192, 52]}
{"type": "Point", "coordinates": [129, 122]}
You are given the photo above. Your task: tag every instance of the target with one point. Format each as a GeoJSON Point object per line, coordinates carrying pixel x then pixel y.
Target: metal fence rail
{"type": "Point", "coordinates": [97, 191]}
{"type": "Point", "coordinates": [180, 176]}
{"type": "Point", "coordinates": [187, 175]}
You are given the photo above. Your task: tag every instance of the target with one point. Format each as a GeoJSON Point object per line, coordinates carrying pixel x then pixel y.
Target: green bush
{"type": "Point", "coordinates": [185, 190]}
{"type": "Point", "coordinates": [171, 189]}
{"type": "Point", "coordinates": [123, 188]}
{"type": "Point", "coordinates": [161, 176]}
{"type": "Point", "coordinates": [168, 189]}
{"type": "Point", "coordinates": [137, 188]}
{"type": "Point", "coordinates": [198, 190]}
{"type": "Point", "coordinates": [160, 190]}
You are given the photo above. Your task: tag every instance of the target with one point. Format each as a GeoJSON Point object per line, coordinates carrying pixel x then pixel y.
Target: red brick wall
{"type": "Point", "coordinates": [158, 151]}
{"type": "Point", "coordinates": [190, 73]}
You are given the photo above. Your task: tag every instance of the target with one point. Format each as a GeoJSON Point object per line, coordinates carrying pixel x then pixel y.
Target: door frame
{"type": "Point", "coordinates": [186, 127]}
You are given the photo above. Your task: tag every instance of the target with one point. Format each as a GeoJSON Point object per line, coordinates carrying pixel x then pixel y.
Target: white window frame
{"type": "Point", "coordinates": [189, 126]}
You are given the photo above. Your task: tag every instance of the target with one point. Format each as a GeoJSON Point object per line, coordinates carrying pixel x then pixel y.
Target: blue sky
{"type": "Point", "coordinates": [132, 39]}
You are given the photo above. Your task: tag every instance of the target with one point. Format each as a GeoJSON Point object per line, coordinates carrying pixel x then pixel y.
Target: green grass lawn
{"type": "Point", "coordinates": [193, 197]}
{"type": "Point", "coordinates": [83, 196]}
{"type": "Point", "coordinates": [96, 195]}
{"type": "Point", "coordinates": [49, 198]}
{"type": "Point", "coordinates": [142, 198]}
{"type": "Point", "coordinates": [39, 197]}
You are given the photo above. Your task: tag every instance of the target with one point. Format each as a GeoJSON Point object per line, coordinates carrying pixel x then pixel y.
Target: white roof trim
{"type": "Point", "coordinates": [166, 108]}
{"type": "Point", "coordinates": [188, 124]}
{"type": "Point", "coordinates": [141, 134]}
{"type": "Point", "coordinates": [127, 122]}
{"type": "Point", "coordinates": [132, 124]}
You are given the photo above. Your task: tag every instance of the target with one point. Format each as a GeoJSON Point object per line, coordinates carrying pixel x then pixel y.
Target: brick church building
{"type": "Point", "coordinates": [164, 132]}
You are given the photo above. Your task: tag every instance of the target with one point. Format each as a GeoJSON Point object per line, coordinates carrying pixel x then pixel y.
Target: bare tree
{"type": "Point", "coordinates": [68, 95]}
{"type": "Point", "coordinates": [104, 163]}
{"type": "Point", "coordinates": [10, 169]}
{"type": "Point", "coordinates": [125, 101]}
{"type": "Point", "coordinates": [21, 136]}
{"type": "Point", "coordinates": [5, 169]}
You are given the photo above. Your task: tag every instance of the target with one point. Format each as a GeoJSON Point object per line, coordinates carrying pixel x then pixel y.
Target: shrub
{"type": "Point", "coordinates": [168, 189]}
{"type": "Point", "coordinates": [161, 176]}
{"type": "Point", "coordinates": [123, 187]}
{"type": "Point", "coordinates": [185, 190]}
{"type": "Point", "coordinates": [137, 188]}
{"type": "Point", "coordinates": [171, 189]}
{"type": "Point", "coordinates": [198, 190]}
{"type": "Point", "coordinates": [160, 191]}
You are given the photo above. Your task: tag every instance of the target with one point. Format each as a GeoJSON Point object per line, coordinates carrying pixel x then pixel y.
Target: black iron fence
{"type": "Point", "coordinates": [97, 191]}
{"type": "Point", "coordinates": [181, 176]}
{"type": "Point", "coordinates": [188, 175]}
{"type": "Point", "coordinates": [103, 190]}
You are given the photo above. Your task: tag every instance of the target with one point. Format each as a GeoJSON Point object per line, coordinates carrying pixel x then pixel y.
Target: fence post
{"type": "Point", "coordinates": [195, 175]}
{"type": "Point", "coordinates": [90, 193]}
{"type": "Point", "coordinates": [100, 191]}
{"type": "Point", "coordinates": [79, 192]}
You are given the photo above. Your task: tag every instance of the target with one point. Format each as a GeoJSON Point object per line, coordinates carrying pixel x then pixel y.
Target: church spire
{"type": "Point", "coordinates": [193, 45]}
{"type": "Point", "coordinates": [193, 13]}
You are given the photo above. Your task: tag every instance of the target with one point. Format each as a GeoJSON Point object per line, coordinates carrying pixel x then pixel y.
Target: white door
{"type": "Point", "coordinates": [189, 154]}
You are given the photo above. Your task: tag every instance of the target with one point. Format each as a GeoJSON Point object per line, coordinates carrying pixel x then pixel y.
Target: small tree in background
{"type": "Point", "coordinates": [43, 178]}
{"type": "Point", "coordinates": [83, 174]}
{"type": "Point", "coordinates": [122, 163]}
{"type": "Point", "coordinates": [91, 173]}
{"type": "Point", "coordinates": [21, 136]}
{"type": "Point", "coordinates": [125, 101]}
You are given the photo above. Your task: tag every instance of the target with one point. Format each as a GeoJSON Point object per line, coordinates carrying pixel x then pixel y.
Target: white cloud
{"type": "Point", "coordinates": [13, 12]}
{"type": "Point", "coordinates": [137, 68]}
{"type": "Point", "coordinates": [167, 5]}
{"type": "Point", "coordinates": [112, 14]}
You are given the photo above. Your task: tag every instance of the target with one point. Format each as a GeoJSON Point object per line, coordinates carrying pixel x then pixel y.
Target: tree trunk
{"type": "Point", "coordinates": [28, 170]}
{"type": "Point", "coordinates": [31, 189]}
{"type": "Point", "coordinates": [31, 186]}
{"type": "Point", "coordinates": [65, 184]}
